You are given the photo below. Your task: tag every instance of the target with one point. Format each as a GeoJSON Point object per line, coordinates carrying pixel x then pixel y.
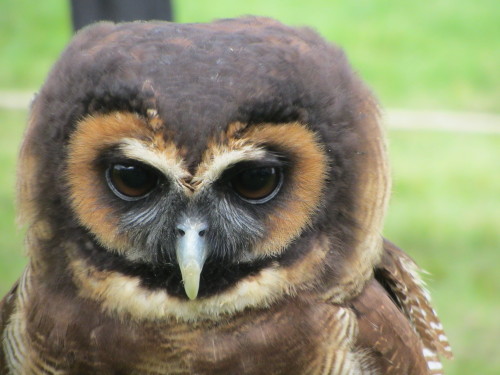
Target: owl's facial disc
{"type": "Point", "coordinates": [193, 232]}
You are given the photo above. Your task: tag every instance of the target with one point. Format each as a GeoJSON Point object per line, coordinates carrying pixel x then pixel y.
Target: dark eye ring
{"type": "Point", "coordinates": [258, 185]}
{"type": "Point", "coordinates": [132, 181]}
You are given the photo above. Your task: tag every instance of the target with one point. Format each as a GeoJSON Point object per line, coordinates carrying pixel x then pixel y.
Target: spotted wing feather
{"type": "Point", "coordinates": [399, 274]}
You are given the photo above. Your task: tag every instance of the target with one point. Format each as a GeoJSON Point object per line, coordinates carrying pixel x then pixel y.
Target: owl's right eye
{"type": "Point", "coordinates": [131, 181]}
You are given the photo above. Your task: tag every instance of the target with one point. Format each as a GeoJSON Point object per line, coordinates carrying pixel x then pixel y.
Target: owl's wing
{"type": "Point", "coordinates": [386, 334]}
{"type": "Point", "coordinates": [396, 321]}
{"type": "Point", "coordinates": [399, 275]}
{"type": "Point", "coordinates": [6, 310]}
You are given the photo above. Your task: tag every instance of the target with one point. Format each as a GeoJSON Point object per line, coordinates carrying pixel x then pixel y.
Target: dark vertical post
{"type": "Point", "coordinates": [84, 12]}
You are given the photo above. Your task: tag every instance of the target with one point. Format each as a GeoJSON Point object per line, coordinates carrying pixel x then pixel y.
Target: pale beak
{"type": "Point", "coordinates": [191, 253]}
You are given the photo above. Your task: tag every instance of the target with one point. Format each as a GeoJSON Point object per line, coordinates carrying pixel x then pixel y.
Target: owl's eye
{"type": "Point", "coordinates": [257, 185]}
{"type": "Point", "coordinates": [131, 181]}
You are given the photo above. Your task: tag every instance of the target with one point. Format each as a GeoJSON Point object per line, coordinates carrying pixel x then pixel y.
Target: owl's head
{"type": "Point", "coordinates": [200, 169]}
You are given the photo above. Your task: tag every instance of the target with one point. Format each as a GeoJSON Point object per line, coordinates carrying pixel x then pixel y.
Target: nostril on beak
{"type": "Point", "coordinates": [191, 228]}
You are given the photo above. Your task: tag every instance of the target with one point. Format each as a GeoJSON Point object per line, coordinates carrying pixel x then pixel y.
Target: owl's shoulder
{"type": "Point", "coordinates": [396, 319]}
{"type": "Point", "coordinates": [386, 333]}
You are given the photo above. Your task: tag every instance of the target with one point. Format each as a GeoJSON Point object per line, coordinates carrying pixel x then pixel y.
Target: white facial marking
{"type": "Point", "coordinates": [221, 162]}
{"type": "Point", "coordinates": [136, 150]}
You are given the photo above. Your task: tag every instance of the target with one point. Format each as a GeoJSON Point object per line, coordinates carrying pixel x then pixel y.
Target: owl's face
{"type": "Point", "coordinates": [251, 194]}
{"type": "Point", "coordinates": [194, 170]}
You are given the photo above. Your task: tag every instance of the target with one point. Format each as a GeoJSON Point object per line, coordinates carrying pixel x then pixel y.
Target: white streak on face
{"type": "Point", "coordinates": [208, 172]}
{"type": "Point", "coordinates": [136, 150]}
{"type": "Point", "coordinates": [213, 169]}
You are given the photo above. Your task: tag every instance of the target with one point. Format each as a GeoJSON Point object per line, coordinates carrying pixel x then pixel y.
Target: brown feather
{"type": "Point", "coordinates": [386, 333]}
{"type": "Point", "coordinates": [400, 275]}
{"type": "Point", "coordinates": [6, 310]}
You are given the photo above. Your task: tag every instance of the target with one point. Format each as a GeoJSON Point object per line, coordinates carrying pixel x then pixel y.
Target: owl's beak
{"type": "Point", "coordinates": [191, 253]}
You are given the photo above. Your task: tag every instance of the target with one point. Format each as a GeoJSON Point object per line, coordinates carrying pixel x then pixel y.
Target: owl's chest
{"type": "Point", "coordinates": [296, 337]}
{"type": "Point", "coordinates": [291, 339]}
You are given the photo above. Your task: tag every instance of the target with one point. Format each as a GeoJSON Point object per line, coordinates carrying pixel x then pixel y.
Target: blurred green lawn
{"type": "Point", "coordinates": [424, 54]}
{"type": "Point", "coordinates": [445, 209]}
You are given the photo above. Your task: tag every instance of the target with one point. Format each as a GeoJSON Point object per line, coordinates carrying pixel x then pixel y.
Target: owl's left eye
{"type": "Point", "coordinates": [257, 185]}
{"type": "Point", "coordinates": [131, 181]}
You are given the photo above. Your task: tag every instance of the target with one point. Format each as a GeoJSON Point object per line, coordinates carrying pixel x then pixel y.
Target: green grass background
{"type": "Point", "coordinates": [445, 209]}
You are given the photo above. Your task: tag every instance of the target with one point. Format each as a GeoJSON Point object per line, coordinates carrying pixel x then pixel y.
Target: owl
{"type": "Point", "coordinates": [208, 199]}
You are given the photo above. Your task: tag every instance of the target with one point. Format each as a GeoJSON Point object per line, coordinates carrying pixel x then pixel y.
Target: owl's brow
{"type": "Point", "coordinates": [166, 161]}
{"type": "Point", "coordinates": [169, 162]}
{"type": "Point", "coordinates": [221, 159]}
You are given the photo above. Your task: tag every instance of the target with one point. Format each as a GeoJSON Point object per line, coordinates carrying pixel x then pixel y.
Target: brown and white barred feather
{"type": "Point", "coordinates": [402, 276]}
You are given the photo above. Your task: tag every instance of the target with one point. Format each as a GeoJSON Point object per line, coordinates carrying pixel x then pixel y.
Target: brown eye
{"type": "Point", "coordinates": [131, 182]}
{"type": "Point", "coordinates": [257, 185]}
